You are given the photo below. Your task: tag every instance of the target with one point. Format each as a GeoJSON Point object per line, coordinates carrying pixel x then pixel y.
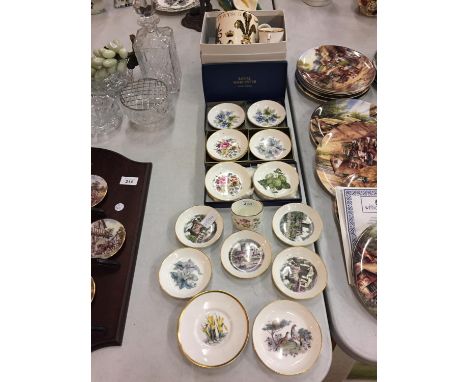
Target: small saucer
{"type": "Point", "coordinates": [107, 237]}
{"type": "Point", "coordinates": [199, 226]}
{"type": "Point", "coordinates": [246, 254]}
{"type": "Point", "coordinates": [275, 180]}
{"type": "Point", "coordinates": [299, 273]}
{"type": "Point", "coordinates": [297, 224]}
{"type": "Point", "coordinates": [93, 288]}
{"type": "Point", "coordinates": [270, 144]}
{"type": "Point", "coordinates": [228, 181]}
{"type": "Point", "coordinates": [98, 190]}
{"type": "Point", "coordinates": [227, 145]}
{"type": "Point", "coordinates": [185, 272]}
{"type": "Point", "coordinates": [266, 113]}
{"type": "Point", "coordinates": [226, 116]}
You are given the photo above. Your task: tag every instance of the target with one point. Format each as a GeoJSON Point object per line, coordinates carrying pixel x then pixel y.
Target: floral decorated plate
{"type": "Point", "coordinates": [246, 254]}
{"type": "Point", "coordinates": [227, 145]}
{"type": "Point", "coordinates": [297, 224]}
{"type": "Point", "coordinates": [270, 144]}
{"type": "Point", "coordinates": [93, 288]}
{"type": "Point", "coordinates": [213, 329]}
{"type": "Point", "coordinates": [299, 273]}
{"type": "Point", "coordinates": [226, 116]}
{"type": "Point", "coordinates": [287, 337]}
{"type": "Point", "coordinates": [266, 113]}
{"type": "Point", "coordinates": [98, 190]}
{"type": "Point", "coordinates": [107, 237]}
{"type": "Point", "coordinates": [185, 272]}
{"type": "Point", "coordinates": [275, 180]}
{"type": "Point", "coordinates": [199, 226]}
{"type": "Point", "coordinates": [228, 181]}
{"type": "Point", "coordinates": [174, 6]}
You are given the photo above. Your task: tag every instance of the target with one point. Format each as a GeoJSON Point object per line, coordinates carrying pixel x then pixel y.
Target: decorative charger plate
{"type": "Point", "coordinates": [297, 224]}
{"type": "Point", "coordinates": [98, 190]}
{"type": "Point", "coordinates": [175, 6]}
{"type": "Point", "coordinates": [347, 157]}
{"type": "Point", "coordinates": [226, 116]}
{"type": "Point", "coordinates": [270, 144]}
{"type": "Point", "coordinates": [228, 181]}
{"type": "Point", "coordinates": [93, 288]}
{"type": "Point", "coordinates": [213, 329]}
{"type": "Point", "coordinates": [299, 273]}
{"type": "Point", "coordinates": [266, 113]}
{"type": "Point", "coordinates": [199, 226]}
{"type": "Point", "coordinates": [341, 112]}
{"type": "Point", "coordinates": [227, 145]}
{"type": "Point", "coordinates": [287, 337]}
{"type": "Point", "coordinates": [246, 254]}
{"type": "Point", "coordinates": [107, 237]}
{"type": "Point", "coordinates": [185, 272]}
{"type": "Point", "coordinates": [276, 180]}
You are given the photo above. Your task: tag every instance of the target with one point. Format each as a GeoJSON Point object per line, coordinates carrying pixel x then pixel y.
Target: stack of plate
{"type": "Point", "coordinates": [331, 72]}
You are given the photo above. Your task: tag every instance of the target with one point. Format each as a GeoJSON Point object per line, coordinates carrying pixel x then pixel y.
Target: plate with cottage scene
{"type": "Point", "coordinates": [266, 113]}
{"type": "Point", "coordinates": [246, 254]}
{"type": "Point", "coordinates": [98, 190]}
{"type": "Point", "coordinates": [227, 145]}
{"type": "Point", "coordinates": [107, 237]}
{"type": "Point", "coordinates": [174, 6]}
{"type": "Point", "coordinates": [287, 337]}
{"type": "Point", "coordinates": [270, 144]}
{"type": "Point", "coordinates": [275, 180]}
{"type": "Point", "coordinates": [297, 224]}
{"type": "Point", "coordinates": [199, 226]}
{"type": "Point", "coordinates": [340, 112]}
{"type": "Point", "coordinates": [93, 288]}
{"type": "Point", "coordinates": [299, 273]}
{"type": "Point", "coordinates": [347, 157]}
{"type": "Point", "coordinates": [228, 181]}
{"type": "Point", "coordinates": [226, 116]}
{"type": "Point", "coordinates": [213, 329]}
{"type": "Point", "coordinates": [185, 272]}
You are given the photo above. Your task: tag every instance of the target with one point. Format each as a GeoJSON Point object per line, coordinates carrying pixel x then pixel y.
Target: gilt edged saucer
{"type": "Point", "coordinates": [227, 145]}
{"type": "Point", "coordinates": [226, 116]}
{"type": "Point", "coordinates": [228, 181]}
{"type": "Point", "coordinates": [270, 144]}
{"type": "Point", "coordinates": [266, 113]}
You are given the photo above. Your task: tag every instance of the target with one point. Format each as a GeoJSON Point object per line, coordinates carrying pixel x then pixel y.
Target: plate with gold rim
{"type": "Point", "coordinates": [93, 289]}
{"type": "Point", "coordinates": [275, 180]}
{"type": "Point", "coordinates": [227, 145]}
{"type": "Point", "coordinates": [107, 237]}
{"type": "Point", "coordinates": [270, 144]}
{"type": "Point", "coordinates": [226, 116]}
{"type": "Point", "coordinates": [266, 113]}
{"type": "Point", "coordinates": [228, 181]}
{"type": "Point", "coordinates": [174, 6]}
{"type": "Point", "coordinates": [98, 190]}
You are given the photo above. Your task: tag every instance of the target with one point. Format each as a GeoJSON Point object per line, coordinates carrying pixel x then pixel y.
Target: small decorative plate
{"type": "Point", "coordinates": [227, 145]}
{"type": "Point", "coordinates": [297, 224]}
{"type": "Point", "coordinates": [226, 116]}
{"type": "Point", "coordinates": [107, 237]}
{"type": "Point", "coordinates": [185, 272]}
{"type": "Point", "coordinates": [199, 226]}
{"type": "Point", "coordinates": [245, 5]}
{"type": "Point", "coordinates": [246, 254]}
{"type": "Point", "coordinates": [174, 6]}
{"type": "Point", "coordinates": [213, 329]}
{"type": "Point", "coordinates": [299, 273]}
{"type": "Point", "coordinates": [266, 113]}
{"type": "Point", "coordinates": [98, 190]}
{"type": "Point", "coordinates": [287, 337]}
{"type": "Point", "coordinates": [93, 288]}
{"type": "Point", "coordinates": [228, 181]}
{"type": "Point", "coordinates": [275, 180]}
{"type": "Point", "coordinates": [270, 144]}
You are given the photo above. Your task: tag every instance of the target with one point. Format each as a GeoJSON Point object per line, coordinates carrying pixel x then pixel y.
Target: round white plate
{"type": "Point", "coordinates": [185, 272]}
{"type": "Point", "coordinates": [213, 329]}
{"type": "Point", "coordinates": [246, 254]}
{"type": "Point", "coordinates": [226, 116]}
{"type": "Point", "coordinates": [191, 232]}
{"type": "Point", "coordinates": [287, 337]}
{"type": "Point", "coordinates": [174, 6]}
{"type": "Point", "coordinates": [297, 224]}
{"type": "Point", "coordinates": [227, 145]}
{"type": "Point", "coordinates": [228, 181]}
{"type": "Point", "coordinates": [266, 113]}
{"type": "Point", "coordinates": [270, 144]}
{"type": "Point", "coordinates": [275, 180]}
{"type": "Point", "coordinates": [299, 273]}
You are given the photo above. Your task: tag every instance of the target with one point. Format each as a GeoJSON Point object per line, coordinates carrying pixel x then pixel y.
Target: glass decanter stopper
{"type": "Point", "coordinates": [155, 47]}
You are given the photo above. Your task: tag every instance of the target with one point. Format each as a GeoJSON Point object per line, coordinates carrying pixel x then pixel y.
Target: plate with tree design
{"type": "Point", "coordinates": [98, 189]}
{"type": "Point", "coordinates": [107, 237]}
{"type": "Point", "coordinates": [275, 180]}
{"type": "Point", "coordinates": [226, 116]}
{"type": "Point", "coordinates": [266, 113]}
{"type": "Point", "coordinates": [227, 145]}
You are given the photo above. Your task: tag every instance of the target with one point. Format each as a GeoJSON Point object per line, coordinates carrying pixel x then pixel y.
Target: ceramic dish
{"type": "Point", "coordinates": [270, 144]}
{"type": "Point", "coordinates": [275, 180]}
{"type": "Point", "coordinates": [246, 254]}
{"type": "Point", "coordinates": [93, 289]}
{"type": "Point", "coordinates": [347, 157]}
{"type": "Point", "coordinates": [287, 337]}
{"type": "Point", "coordinates": [297, 224]}
{"type": "Point", "coordinates": [299, 273]}
{"type": "Point", "coordinates": [228, 181]}
{"type": "Point", "coordinates": [245, 5]}
{"type": "Point", "coordinates": [98, 190]}
{"type": "Point", "coordinates": [266, 113]}
{"type": "Point", "coordinates": [174, 6]}
{"type": "Point", "coordinates": [185, 272]}
{"type": "Point", "coordinates": [107, 237]}
{"type": "Point", "coordinates": [225, 145]}
{"type": "Point", "coordinates": [213, 329]}
{"type": "Point", "coordinates": [226, 116]}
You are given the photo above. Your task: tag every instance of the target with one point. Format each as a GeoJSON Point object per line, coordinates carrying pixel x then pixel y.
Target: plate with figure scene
{"type": "Point", "coordinates": [107, 237]}
{"type": "Point", "coordinates": [98, 190]}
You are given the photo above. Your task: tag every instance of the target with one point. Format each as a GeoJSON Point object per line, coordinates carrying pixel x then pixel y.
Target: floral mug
{"type": "Point", "coordinates": [247, 214]}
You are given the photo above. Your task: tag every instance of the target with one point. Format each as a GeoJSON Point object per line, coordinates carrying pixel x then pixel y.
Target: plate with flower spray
{"type": "Point", "coordinates": [266, 113]}
{"type": "Point", "coordinates": [226, 116]}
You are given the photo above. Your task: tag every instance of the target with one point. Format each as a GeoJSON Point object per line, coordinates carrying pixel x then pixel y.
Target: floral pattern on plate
{"type": "Point", "coordinates": [227, 148]}
{"type": "Point", "coordinates": [227, 184]}
{"type": "Point", "coordinates": [275, 181]}
{"type": "Point", "coordinates": [266, 117]}
{"type": "Point", "coordinates": [185, 274]}
{"type": "Point", "coordinates": [250, 224]}
{"type": "Point", "coordinates": [226, 119]}
{"type": "Point", "coordinates": [298, 274]}
{"type": "Point", "coordinates": [197, 232]}
{"type": "Point", "coordinates": [296, 226]}
{"type": "Point", "coordinates": [246, 255]}
{"type": "Point", "coordinates": [270, 147]}
{"type": "Point", "coordinates": [292, 341]}
{"type": "Point", "coordinates": [214, 328]}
